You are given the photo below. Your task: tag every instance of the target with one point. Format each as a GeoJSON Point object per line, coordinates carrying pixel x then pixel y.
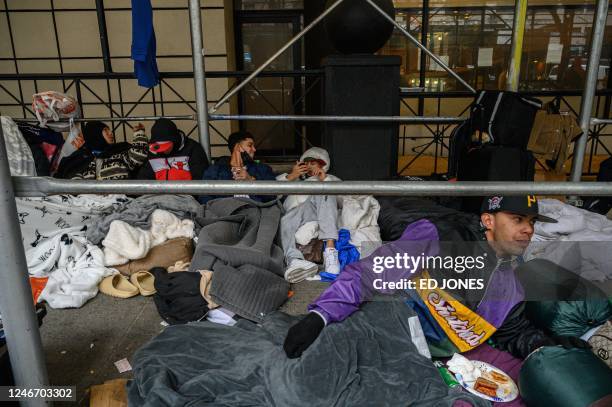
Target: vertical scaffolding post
{"type": "Point", "coordinates": [16, 305]}
{"type": "Point", "coordinates": [518, 32]}
{"type": "Point", "coordinates": [103, 36]}
{"type": "Point", "coordinates": [422, 56]}
{"type": "Point", "coordinates": [588, 94]}
{"type": "Point", "coordinates": [198, 74]}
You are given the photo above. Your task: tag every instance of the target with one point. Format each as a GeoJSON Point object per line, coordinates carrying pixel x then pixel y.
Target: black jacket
{"type": "Point", "coordinates": [187, 162]}
{"type": "Point", "coordinates": [518, 335]}
{"type": "Point", "coordinates": [221, 170]}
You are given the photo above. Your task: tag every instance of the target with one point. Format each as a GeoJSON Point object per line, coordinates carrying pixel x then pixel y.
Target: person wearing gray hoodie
{"type": "Point", "coordinates": [313, 166]}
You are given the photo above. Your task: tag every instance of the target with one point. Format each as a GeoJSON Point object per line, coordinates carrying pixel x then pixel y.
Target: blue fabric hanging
{"type": "Point", "coordinates": [143, 44]}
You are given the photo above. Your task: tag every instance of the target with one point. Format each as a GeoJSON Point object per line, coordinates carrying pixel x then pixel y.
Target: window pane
{"type": "Point", "coordinates": [475, 42]}
{"type": "Point", "coordinates": [269, 95]}
{"type": "Point", "coordinates": [556, 49]}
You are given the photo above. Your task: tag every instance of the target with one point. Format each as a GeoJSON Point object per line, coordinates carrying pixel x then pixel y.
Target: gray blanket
{"type": "Point", "coordinates": [137, 213]}
{"type": "Point", "coordinates": [238, 243]}
{"type": "Point", "coordinates": [367, 360]}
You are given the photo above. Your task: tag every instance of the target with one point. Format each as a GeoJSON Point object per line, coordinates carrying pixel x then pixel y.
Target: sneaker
{"type": "Point", "coordinates": [299, 270]}
{"type": "Point", "coordinates": [330, 259]}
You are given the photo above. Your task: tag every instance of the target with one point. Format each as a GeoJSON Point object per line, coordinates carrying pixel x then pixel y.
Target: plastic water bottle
{"type": "Point", "coordinates": [447, 376]}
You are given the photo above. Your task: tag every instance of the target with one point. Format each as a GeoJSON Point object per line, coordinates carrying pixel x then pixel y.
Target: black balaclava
{"type": "Point", "coordinates": [94, 139]}
{"type": "Point", "coordinates": [166, 130]}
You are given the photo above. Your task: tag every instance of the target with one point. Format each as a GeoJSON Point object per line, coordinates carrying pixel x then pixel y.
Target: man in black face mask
{"type": "Point", "coordinates": [100, 158]}
{"type": "Point", "coordinates": [172, 155]}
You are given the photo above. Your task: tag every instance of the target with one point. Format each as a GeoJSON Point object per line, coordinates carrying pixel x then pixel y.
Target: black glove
{"type": "Point", "coordinates": [568, 342]}
{"type": "Point", "coordinates": [303, 334]}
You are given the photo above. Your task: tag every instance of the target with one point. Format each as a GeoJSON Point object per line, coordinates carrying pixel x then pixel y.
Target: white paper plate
{"type": "Point", "coordinates": [510, 394]}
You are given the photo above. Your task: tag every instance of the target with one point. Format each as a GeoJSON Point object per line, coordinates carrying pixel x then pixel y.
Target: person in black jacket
{"type": "Point", "coordinates": [240, 166]}
{"type": "Point", "coordinates": [493, 310]}
{"type": "Point", "coordinates": [172, 155]}
{"type": "Point", "coordinates": [101, 158]}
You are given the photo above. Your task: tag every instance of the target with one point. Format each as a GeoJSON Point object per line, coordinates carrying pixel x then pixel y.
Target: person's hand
{"type": "Point", "coordinates": [236, 159]}
{"type": "Point", "coordinates": [301, 335]}
{"type": "Point", "coordinates": [139, 127]}
{"type": "Point", "coordinates": [319, 173]}
{"type": "Point", "coordinates": [241, 174]}
{"type": "Point", "coordinates": [298, 170]}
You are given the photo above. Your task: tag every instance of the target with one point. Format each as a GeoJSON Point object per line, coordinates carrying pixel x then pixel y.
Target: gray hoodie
{"type": "Point", "coordinates": [315, 152]}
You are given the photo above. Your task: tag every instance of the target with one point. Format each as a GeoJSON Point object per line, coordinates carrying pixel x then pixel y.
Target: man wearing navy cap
{"type": "Point", "coordinates": [451, 323]}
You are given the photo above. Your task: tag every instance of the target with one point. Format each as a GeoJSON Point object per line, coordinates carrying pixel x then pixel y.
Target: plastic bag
{"type": "Point", "coordinates": [74, 141]}
{"type": "Point", "coordinates": [51, 106]}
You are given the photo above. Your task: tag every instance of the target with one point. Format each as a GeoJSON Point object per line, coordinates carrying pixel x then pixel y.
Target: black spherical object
{"type": "Point", "coordinates": [355, 27]}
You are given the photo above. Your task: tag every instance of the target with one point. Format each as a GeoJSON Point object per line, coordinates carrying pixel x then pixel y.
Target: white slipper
{"type": "Point", "coordinates": [299, 270]}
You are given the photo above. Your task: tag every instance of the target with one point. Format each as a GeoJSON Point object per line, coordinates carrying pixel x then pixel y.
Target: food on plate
{"type": "Point", "coordinates": [486, 387]}
{"type": "Point", "coordinates": [496, 377]}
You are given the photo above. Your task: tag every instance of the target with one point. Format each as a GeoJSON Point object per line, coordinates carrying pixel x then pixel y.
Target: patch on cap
{"type": "Point", "coordinates": [495, 203]}
{"type": "Point", "coordinates": [531, 199]}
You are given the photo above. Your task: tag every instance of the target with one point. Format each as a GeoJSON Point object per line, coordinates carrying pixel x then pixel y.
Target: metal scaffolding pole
{"type": "Point", "coordinates": [273, 57]}
{"type": "Point", "coordinates": [42, 186]}
{"type": "Point", "coordinates": [113, 119]}
{"type": "Point", "coordinates": [103, 36]}
{"type": "Point", "coordinates": [588, 94]}
{"type": "Point", "coordinates": [198, 74]}
{"type": "Point", "coordinates": [595, 121]}
{"type": "Point", "coordinates": [400, 119]}
{"type": "Point", "coordinates": [16, 305]}
{"type": "Point", "coordinates": [421, 46]}
{"type": "Point", "coordinates": [518, 32]}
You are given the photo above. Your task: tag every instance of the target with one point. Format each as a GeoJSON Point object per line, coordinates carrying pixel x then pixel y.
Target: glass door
{"type": "Point", "coordinates": [259, 36]}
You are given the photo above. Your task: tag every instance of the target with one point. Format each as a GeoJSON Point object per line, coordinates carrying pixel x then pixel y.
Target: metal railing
{"type": "Point", "coordinates": [21, 326]}
{"type": "Point", "coordinates": [43, 186]}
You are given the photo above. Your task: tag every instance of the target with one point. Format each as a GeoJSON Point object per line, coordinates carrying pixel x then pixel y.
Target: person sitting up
{"type": "Point", "coordinates": [240, 166]}
{"type": "Point", "coordinates": [100, 158]}
{"type": "Point", "coordinates": [172, 155]}
{"type": "Point", "coordinates": [300, 209]}
{"type": "Point", "coordinates": [496, 312]}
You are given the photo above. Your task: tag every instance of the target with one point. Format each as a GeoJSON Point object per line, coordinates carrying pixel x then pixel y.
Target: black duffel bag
{"type": "Point", "coordinates": [503, 118]}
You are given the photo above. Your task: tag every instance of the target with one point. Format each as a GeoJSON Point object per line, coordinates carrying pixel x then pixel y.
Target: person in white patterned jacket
{"type": "Point", "coordinates": [100, 158]}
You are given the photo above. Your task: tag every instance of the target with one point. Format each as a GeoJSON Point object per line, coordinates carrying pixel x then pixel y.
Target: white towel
{"type": "Point", "coordinates": [125, 242]}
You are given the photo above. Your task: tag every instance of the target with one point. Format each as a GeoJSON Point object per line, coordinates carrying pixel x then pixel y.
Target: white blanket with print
{"type": "Point", "coordinates": [73, 266]}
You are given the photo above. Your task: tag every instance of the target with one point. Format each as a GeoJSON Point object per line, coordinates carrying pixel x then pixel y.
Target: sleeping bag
{"type": "Point", "coordinates": [555, 376]}
{"type": "Point", "coordinates": [560, 301]}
